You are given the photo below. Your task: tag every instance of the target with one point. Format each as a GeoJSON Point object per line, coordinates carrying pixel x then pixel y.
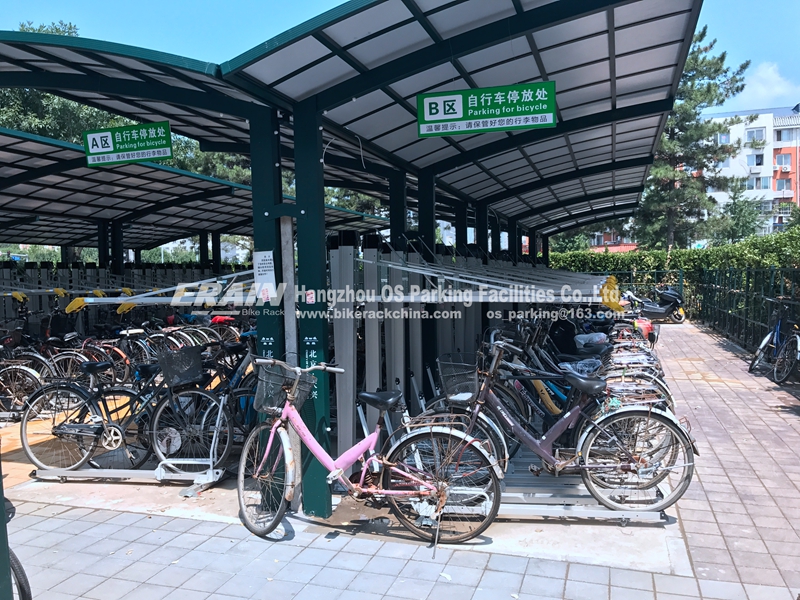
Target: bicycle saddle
{"type": "Point", "coordinates": [92, 368]}
{"type": "Point", "coordinates": [381, 400]}
{"type": "Point", "coordinates": [587, 385]}
{"type": "Point", "coordinates": [235, 348]}
{"type": "Point", "coordinates": [71, 336]}
{"type": "Point", "coordinates": [148, 370]}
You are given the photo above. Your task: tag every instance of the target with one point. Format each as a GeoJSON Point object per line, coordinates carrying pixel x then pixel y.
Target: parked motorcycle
{"type": "Point", "coordinates": [669, 305]}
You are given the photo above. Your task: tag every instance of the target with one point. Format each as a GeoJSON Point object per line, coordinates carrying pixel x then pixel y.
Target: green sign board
{"type": "Point", "coordinates": [523, 106]}
{"type": "Point", "coordinates": [130, 144]}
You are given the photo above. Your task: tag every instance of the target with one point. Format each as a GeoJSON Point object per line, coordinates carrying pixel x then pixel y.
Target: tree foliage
{"type": "Point", "coordinates": [739, 218]}
{"type": "Point", "coordinates": [676, 201]}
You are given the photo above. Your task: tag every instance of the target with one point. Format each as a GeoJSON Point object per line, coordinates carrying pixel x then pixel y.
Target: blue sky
{"type": "Point", "coordinates": [763, 32]}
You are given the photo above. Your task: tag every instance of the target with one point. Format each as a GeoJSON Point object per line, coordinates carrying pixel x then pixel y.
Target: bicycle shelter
{"type": "Point", "coordinates": [334, 100]}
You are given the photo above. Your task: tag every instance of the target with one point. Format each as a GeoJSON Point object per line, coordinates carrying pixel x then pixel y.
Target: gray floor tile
{"type": "Point", "coordinates": [374, 584]}
{"type": "Point", "coordinates": [451, 591]}
{"type": "Point", "coordinates": [147, 591]}
{"type": "Point", "coordinates": [588, 574]}
{"type": "Point", "coordinates": [465, 558]}
{"type": "Point", "coordinates": [410, 588]}
{"type": "Point", "coordinates": [639, 580]}
{"type": "Point", "coordinates": [675, 585]}
{"type": "Point", "coordinates": [509, 564]}
{"type": "Point", "coordinates": [333, 578]}
{"type": "Point", "coordinates": [722, 590]}
{"type": "Point", "coordinates": [537, 585]}
{"type": "Point", "coordinates": [172, 576]}
{"type": "Point", "coordinates": [581, 590]}
{"type": "Point", "coordinates": [349, 561]}
{"type": "Point", "coordinates": [111, 589]}
{"type": "Point", "coordinates": [78, 584]}
{"type": "Point", "coordinates": [501, 581]}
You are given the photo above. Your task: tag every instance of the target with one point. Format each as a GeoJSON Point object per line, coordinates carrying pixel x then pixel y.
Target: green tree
{"type": "Point", "coordinates": [676, 201]}
{"type": "Point", "coordinates": [794, 218]}
{"type": "Point", "coordinates": [570, 241]}
{"type": "Point", "coordinates": [739, 218]}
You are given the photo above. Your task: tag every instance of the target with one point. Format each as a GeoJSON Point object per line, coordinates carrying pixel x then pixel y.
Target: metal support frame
{"type": "Point", "coordinates": [216, 252]}
{"type": "Point", "coordinates": [461, 229]}
{"type": "Point", "coordinates": [267, 194]}
{"type": "Point", "coordinates": [372, 328]}
{"type": "Point", "coordinates": [546, 250]}
{"type": "Point", "coordinates": [496, 246]}
{"type": "Point", "coordinates": [426, 212]}
{"type": "Point", "coordinates": [203, 244]}
{"type": "Point", "coordinates": [311, 260]}
{"type": "Point", "coordinates": [398, 210]}
{"type": "Point", "coordinates": [102, 244]}
{"type": "Point", "coordinates": [117, 249]}
{"type": "Point", "coordinates": [5, 561]}
{"type": "Point", "coordinates": [514, 241]}
{"type": "Point", "coordinates": [482, 229]}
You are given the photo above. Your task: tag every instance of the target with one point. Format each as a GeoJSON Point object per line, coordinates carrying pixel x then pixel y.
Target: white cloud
{"type": "Point", "coordinates": [765, 87]}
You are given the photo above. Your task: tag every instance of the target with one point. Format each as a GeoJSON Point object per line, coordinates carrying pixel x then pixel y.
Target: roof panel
{"type": "Point", "coordinates": [327, 73]}
{"type": "Point", "coordinates": [463, 17]}
{"type": "Point", "coordinates": [273, 67]}
{"type": "Point", "coordinates": [391, 45]}
{"type": "Point", "coordinates": [516, 71]}
{"type": "Point", "coordinates": [571, 30]}
{"type": "Point", "coordinates": [368, 22]}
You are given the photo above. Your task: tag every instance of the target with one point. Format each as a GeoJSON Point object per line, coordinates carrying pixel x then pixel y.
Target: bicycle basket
{"type": "Point", "coordinates": [183, 366]}
{"type": "Point", "coordinates": [273, 382]}
{"type": "Point", "coordinates": [458, 373]}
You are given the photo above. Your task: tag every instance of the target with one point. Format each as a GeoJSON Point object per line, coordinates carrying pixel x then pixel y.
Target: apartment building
{"type": "Point", "coordinates": [771, 170]}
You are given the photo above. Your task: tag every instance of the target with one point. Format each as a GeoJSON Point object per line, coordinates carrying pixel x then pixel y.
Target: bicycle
{"type": "Point", "coordinates": [629, 457]}
{"type": "Point", "coordinates": [787, 355]}
{"type": "Point", "coordinates": [768, 348]}
{"type": "Point", "coordinates": [440, 483]}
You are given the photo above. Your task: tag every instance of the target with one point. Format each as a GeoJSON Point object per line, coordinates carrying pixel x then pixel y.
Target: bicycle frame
{"type": "Point", "coordinates": [338, 466]}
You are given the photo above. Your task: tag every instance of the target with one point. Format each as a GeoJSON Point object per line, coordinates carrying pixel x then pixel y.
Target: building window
{"type": "Point", "coordinates": [724, 164]}
{"type": "Point", "coordinates": [755, 160]}
{"type": "Point", "coordinates": [783, 135]}
{"type": "Point", "coordinates": [766, 207]}
{"type": "Point", "coordinates": [723, 138]}
{"type": "Point", "coordinates": [783, 160]}
{"type": "Point", "coordinates": [753, 135]}
{"type": "Point", "coordinates": [758, 183]}
{"type": "Point", "coordinates": [783, 184]}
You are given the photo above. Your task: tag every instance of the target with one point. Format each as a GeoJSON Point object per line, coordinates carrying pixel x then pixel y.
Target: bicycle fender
{"type": "Point", "coordinates": [289, 460]}
{"type": "Point", "coordinates": [634, 408]}
{"type": "Point", "coordinates": [455, 432]}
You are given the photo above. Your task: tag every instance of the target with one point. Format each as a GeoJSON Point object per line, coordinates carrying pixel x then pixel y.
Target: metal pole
{"type": "Point", "coordinates": [312, 275]}
{"type": "Point", "coordinates": [203, 244]}
{"type": "Point", "coordinates": [216, 252]}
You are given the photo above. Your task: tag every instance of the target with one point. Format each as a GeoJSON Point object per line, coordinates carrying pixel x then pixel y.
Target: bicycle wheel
{"type": "Point", "coordinates": [261, 484]}
{"type": "Point", "coordinates": [67, 365]}
{"type": "Point", "coordinates": [57, 430]}
{"type": "Point", "coordinates": [468, 490]}
{"type": "Point", "coordinates": [637, 460]}
{"type": "Point", "coordinates": [518, 409]}
{"type": "Point", "coordinates": [17, 384]}
{"type": "Point", "coordinates": [186, 424]}
{"type": "Point", "coordinates": [122, 364]}
{"type": "Point", "coordinates": [761, 353]}
{"type": "Point", "coordinates": [786, 360]}
{"type": "Point", "coordinates": [125, 444]}
{"type": "Point", "coordinates": [240, 404]}
{"type": "Point", "coordinates": [20, 587]}
{"type": "Point", "coordinates": [37, 362]}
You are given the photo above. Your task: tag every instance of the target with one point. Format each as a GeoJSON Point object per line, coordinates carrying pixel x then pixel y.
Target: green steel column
{"type": "Point", "coordinates": [495, 236]}
{"type": "Point", "coordinates": [546, 250]}
{"type": "Point", "coordinates": [5, 563]}
{"type": "Point", "coordinates": [482, 228]}
{"type": "Point", "coordinates": [102, 244]}
{"type": "Point", "coordinates": [514, 240]}
{"type": "Point", "coordinates": [203, 243]}
{"type": "Point", "coordinates": [267, 193]}
{"type": "Point", "coordinates": [137, 256]}
{"type": "Point", "coordinates": [216, 252]}
{"type": "Point", "coordinates": [398, 210]}
{"type": "Point", "coordinates": [117, 249]}
{"type": "Point", "coordinates": [427, 213]}
{"type": "Point", "coordinates": [461, 229]}
{"type": "Point", "coordinates": [312, 275]}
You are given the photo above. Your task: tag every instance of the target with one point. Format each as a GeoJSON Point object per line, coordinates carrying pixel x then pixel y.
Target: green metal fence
{"type": "Point", "coordinates": [739, 302]}
{"type": "Point", "coordinates": [642, 283]}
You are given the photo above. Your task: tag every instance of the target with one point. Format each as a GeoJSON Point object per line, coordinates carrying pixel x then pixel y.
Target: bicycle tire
{"type": "Point", "coordinates": [182, 423]}
{"type": "Point", "coordinates": [17, 384]}
{"type": "Point", "coordinates": [131, 447]}
{"type": "Point", "coordinates": [786, 360]}
{"type": "Point", "coordinates": [262, 503]}
{"type": "Point", "coordinates": [440, 448]}
{"type": "Point", "coordinates": [21, 587]}
{"type": "Point", "coordinates": [66, 404]}
{"type": "Point", "coordinates": [761, 352]}
{"type": "Point", "coordinates": [606, 475]}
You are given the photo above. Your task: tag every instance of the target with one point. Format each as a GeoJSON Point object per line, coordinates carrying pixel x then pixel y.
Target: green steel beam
{"type": "Point", "coordinates": [216, 252]}
{"type": "Point", "coordinates": [628, 207]}
{"type": "Point", "coordinates": [55, 82]}
{"type": "Point", "coordinates": [398, 210]}
{"type": "Point", "coordinates": [460, 45]}
{"type": "Point", "coordinates": [17, 222]}
{"type": "Point", "coordinates": [341, 222]}
{"type": "Point", "coordinates": [117, 248]}
{"type": "Point", "coordinates": [312, 274]}
{"type": "Point", "coordinates": [181, 200]}
{"type": "Point", "coordinates": [599, 219]}
{"type": "Point", "coordinates": [647, 109]}
{"type": "Point", "coordinates": [578, 200]}
{"type": "Point", "coordinates": [33, 174]}
{"type": "Point", "coordinates": [540, 184]}
{"type": "Point", "coordinates": [482, 228]}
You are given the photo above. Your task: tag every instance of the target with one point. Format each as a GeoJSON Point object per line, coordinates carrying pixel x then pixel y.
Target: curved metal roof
{"type": "Point", "coordinates": [616, 65]}
{"type": "Point", "coordinates": [49, 179]}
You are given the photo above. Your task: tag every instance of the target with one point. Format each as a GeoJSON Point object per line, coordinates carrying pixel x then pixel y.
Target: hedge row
{"type": "Point", "coordinates": [778, 249]}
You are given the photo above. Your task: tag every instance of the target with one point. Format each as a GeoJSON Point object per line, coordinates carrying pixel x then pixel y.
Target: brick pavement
{"type": "Point", "coordinates": [738, 519]}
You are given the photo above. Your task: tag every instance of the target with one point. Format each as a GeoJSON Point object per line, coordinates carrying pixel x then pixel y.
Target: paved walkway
{"type": "Point", "coordinates": [739, 519]}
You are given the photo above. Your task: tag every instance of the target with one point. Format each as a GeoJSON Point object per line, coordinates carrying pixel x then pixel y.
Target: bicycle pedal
{"type": "Point", "coordinates": [535, 470]}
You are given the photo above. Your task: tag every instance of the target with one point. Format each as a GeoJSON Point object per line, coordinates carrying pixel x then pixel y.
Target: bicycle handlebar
{"type": "Point", "coordinates": [266, 362]}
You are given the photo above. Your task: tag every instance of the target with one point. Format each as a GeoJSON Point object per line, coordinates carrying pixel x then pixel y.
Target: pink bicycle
{"type": "Point", "coordinates": [440, 483]}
